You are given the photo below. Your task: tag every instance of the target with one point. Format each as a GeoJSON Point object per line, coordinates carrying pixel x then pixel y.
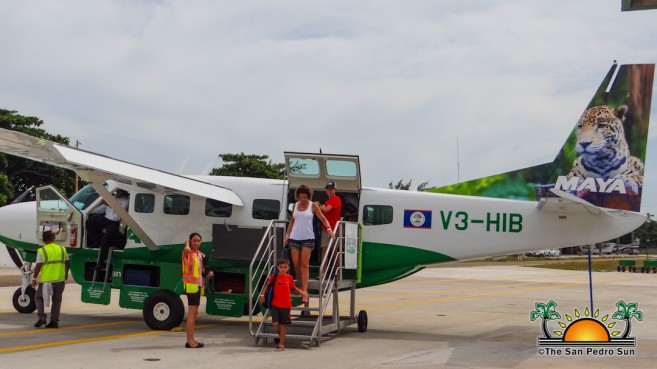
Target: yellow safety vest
{"type": "Point", "coordinates": [191, 271]}
{"type": "Point", "coordinates": [53, 263]}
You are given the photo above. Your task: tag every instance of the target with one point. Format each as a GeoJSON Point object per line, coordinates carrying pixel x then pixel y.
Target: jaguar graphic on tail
{"type": "Point", "coordinates": [604, 152]}
{"type": "Point", "coordinates": [602, 161]}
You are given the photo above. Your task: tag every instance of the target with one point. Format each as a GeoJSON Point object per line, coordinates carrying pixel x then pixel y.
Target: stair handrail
{"type": "Point", "coordinates": [334, 266]}
{"type": "Point", "coordinates": [264, 260]}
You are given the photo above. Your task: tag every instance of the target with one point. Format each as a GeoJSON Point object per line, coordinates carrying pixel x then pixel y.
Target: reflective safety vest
{"type": "Point", "coordinates": [191, 271]}
{"type": "Point", "coordinates": [53, 263]}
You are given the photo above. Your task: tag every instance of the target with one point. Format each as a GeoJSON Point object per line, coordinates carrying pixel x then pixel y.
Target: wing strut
{"type": "Point", "coordinates": [125, 216]}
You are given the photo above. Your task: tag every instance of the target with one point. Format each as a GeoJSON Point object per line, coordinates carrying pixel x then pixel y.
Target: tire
{"type": "Point", "coordinates": [27, 304]}
{"type": "Point", "coordinates": [163, 310]}
{"type": "Point", "coordinates": [618, 268]}
{"type": "Point", "coordinates": [362, 321]}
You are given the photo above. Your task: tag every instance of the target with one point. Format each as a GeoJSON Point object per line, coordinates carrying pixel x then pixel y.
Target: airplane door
{"type": "Point", "coordinates": [57, 214]}
{"type": "Point", "coordinates": [315, 170]}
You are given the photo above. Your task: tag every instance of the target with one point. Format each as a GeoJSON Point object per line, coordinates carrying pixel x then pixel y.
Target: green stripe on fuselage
{"type": "Point", "coordinates": [384, 262]}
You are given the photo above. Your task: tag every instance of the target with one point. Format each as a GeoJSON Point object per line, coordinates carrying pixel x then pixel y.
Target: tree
{"type": "Point", "coordinates": [18, 174]}
{"type": "Point", "coordinates": [406, 186]}
{"type": "Point", "coordinates": [401, 185]}
{"type": "Point", "coordinates": [242, 165]}
{"type": "Point", "coordinates": [647, 233]}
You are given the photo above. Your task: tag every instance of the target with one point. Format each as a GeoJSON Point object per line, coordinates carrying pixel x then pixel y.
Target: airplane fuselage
{"type": "Point", "coordinates": [403, 231]}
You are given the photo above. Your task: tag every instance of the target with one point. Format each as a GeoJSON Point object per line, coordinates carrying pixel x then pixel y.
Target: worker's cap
{"type": "Point", "coordinates": [330, 185]}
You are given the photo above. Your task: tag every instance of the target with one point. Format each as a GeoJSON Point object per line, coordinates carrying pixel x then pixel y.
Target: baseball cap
{"type": "Point", "coordinates": [330, 185]}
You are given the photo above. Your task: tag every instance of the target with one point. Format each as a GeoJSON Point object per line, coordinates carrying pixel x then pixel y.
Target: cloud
{"type": "Point", "coordinates": [154, 82]}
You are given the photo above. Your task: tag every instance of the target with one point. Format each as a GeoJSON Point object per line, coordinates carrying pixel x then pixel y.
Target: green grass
{"type": "Point", "coordinates": [598, 264]}
{"type": "Point", "coordinates": [604, 265]}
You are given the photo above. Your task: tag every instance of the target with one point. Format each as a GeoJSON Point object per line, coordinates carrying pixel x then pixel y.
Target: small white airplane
{"type": "Point", "coordinates": [590, 193]}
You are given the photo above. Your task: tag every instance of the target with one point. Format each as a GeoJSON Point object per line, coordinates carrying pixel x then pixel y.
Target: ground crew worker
{"type": "Point", "coordinates": [192, 271]}
{"type": "Point", "coordinates": [53, 265]}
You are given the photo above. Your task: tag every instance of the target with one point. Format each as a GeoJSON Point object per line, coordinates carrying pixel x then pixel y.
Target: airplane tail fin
{"type": "Point", "coordinates": [602, 161]}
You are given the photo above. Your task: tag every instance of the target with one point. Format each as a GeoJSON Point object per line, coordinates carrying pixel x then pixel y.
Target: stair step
{"type": "Point", "coordinates": [305, 308]}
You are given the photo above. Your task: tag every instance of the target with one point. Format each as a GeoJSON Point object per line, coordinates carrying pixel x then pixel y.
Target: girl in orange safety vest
{"type": "Point", "coordinates": [192, 271]}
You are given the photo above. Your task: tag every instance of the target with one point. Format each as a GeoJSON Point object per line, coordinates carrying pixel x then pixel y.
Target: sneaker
{"type": "Point", "coordinates": [39, 323]}
{"type": "Point", "coordinates": [52, 325]}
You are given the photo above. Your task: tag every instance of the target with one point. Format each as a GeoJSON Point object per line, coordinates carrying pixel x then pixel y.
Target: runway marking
{"type": "Point", "coordinates": [83, 340]}
{"type": "Point", "coordinates": [93, 339]}
{"type": "Point", "coordinates": [448, 298]}
{"type": "Point", "coordinates": [447, 291]}
{"type": "Point", "coordinates": [38, 331]}
{"type": "Point", "coordinates": [437, 280]}
{"type": "Point", "coordinates": [488, 278]}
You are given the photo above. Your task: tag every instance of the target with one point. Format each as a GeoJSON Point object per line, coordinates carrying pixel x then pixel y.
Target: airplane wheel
{"type": "Point", "coordinates": [26, 304]}
{"type": "Point", "coordinates": [618, 268]}
{"type": "Point", "coordinates": [163, 310]}
{"type": "Point", "coordinates": [362, 321]}
{"type": "Point", "coordinates": [623, 268]}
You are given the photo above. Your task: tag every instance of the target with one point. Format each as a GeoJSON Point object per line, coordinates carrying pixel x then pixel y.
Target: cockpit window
{"type": "Point", "coordinates": [83, 198]}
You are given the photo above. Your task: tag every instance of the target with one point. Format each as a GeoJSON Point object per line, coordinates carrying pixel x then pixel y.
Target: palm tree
{"type": "Point", "coordinates": [626, 312]}
{"type": "Point", "coordinates": [546, 312]}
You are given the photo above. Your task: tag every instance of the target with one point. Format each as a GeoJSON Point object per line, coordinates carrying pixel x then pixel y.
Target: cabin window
{"type": "Point", "coordinates": [216, 208]}
{"type": "Point", "coordinates": [144, 203]}
{"type": "Point", "coordinates": [341, 168]}
{"type": "Point", "coordinates": [266, 209]}
{"type": "Point", "coordinates": [377, 214]}
{"type": "Point", "coordinates": [304, 167]}
{"type": "Point", "coordinates": [176, 204]}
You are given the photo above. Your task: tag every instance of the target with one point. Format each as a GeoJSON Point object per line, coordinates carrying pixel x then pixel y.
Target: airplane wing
{"type": "Point", "coordinates": [93, 167]}
{"type": "Point", "coordinates": [565, 202]}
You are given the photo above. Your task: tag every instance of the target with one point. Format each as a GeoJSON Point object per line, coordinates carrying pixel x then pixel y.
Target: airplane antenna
{"type": "Point", "coordinates": [458, 163]}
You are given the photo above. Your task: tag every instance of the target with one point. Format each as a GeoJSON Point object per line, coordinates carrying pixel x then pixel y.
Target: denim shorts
{"type": "Point", "coordinates": [297, 244]}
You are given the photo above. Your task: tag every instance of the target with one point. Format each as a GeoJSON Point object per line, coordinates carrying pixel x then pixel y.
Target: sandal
{"type": "Point", "coordinates": [280, 348]}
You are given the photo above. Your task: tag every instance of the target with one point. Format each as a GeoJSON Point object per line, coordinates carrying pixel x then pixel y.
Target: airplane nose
{"type": "Point", "coordinates": [18, 223]}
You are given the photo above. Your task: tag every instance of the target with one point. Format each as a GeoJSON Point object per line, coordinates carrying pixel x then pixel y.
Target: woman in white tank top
{"type": "Point", "coordinates": [300, 235]}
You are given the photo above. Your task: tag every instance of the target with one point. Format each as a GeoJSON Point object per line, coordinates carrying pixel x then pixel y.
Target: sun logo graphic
{"type": "Point", "coordinates": [586, 334]}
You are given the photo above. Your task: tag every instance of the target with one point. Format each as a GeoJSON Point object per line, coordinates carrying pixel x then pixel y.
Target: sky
{"type": "Point", "coordinates": [167, 83]}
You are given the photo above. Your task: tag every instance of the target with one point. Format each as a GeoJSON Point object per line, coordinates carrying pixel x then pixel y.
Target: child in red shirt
{"type": "Point", "coordinates": [282, 302]}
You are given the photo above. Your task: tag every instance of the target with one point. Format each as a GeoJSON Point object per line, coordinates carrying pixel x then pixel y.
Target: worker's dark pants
{"type": "Point", "coordinates": [111, 230]}
{"type": "Point", "coordinates": [57, 292]}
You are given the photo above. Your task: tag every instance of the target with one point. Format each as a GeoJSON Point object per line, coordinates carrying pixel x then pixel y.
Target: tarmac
{"type": "Point", "coordinates": [455, 316]}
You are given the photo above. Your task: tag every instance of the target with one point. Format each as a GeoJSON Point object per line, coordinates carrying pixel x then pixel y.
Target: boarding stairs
{"type": "Point", "coordinates": [99, 291]}
{"type": "Point", "coordinates": [105, 268]}
{"type": "Point", "coordinates": [320, 316]}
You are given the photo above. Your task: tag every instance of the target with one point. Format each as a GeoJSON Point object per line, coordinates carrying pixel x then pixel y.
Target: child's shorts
{"type": "Point", "coordinates": [280, 315]}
